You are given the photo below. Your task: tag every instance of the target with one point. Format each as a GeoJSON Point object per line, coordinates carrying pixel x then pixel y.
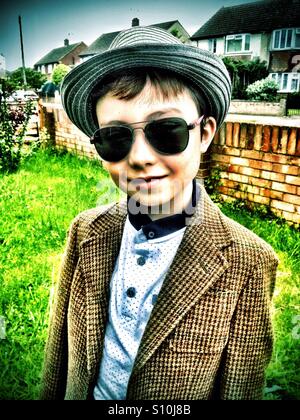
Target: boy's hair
{"type": "Point", "coordinates": [130, 84]}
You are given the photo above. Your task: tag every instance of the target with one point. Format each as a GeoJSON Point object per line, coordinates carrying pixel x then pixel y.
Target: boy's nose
{"type": "Point", "coordinates": [141, 153]}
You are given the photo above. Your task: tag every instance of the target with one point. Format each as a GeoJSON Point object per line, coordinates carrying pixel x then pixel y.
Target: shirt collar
{"type": "Point", "coordinates": [166, 225]}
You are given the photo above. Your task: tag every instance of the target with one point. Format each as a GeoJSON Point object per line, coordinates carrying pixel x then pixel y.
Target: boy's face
{"type": "Point", "coordinates": [173, 173]}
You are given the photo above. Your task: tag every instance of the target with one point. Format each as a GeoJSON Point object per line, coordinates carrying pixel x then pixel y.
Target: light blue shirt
{"type": "Point", "coordinates": [139, 273]}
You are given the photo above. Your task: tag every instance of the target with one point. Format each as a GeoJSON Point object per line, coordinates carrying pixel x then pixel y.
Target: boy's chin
{"type": "Point", "coordinates": [156, 202]}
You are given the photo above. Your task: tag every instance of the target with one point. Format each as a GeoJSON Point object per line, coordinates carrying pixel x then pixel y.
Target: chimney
{"type": "Point", "coordinates": [66, 42]}
{"type": "Point", "coordinates": [135, 22]}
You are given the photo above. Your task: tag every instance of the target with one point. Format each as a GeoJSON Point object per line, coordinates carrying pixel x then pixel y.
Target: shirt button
{"type": "Point", "coordinates": [154, 299]}
{"type": "Point", "coordinates": [131, 292]}
{"type": "Point", "coordinates": [141, 260]}
{"type": "Point", "coordinates": [151, 234]}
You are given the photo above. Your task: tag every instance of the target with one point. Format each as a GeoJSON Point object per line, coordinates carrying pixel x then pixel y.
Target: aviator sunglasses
{"type": "Point", "coordinates": [167, 136]}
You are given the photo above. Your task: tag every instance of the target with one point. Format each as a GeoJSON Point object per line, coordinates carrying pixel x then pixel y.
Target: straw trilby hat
{"type": "Point", "coordinates": [147, 47]}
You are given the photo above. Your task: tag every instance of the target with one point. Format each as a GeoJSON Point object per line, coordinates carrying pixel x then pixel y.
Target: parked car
{"type": "Point", "coordinates": [23, 96]}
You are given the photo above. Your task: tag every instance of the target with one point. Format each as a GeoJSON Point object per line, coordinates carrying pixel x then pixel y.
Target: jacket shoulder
{"type": "Point", "coordinates": [80, 225]}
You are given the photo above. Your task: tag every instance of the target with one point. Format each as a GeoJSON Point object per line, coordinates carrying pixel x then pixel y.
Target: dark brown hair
{"type": "Point", "coordinates": [130, 84]}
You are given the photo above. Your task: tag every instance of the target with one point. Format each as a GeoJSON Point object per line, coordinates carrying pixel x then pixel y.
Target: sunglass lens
{"type": "Point", "coordinates": [168, 136]}
{"type": "Point", "coordinates": [113, 143]}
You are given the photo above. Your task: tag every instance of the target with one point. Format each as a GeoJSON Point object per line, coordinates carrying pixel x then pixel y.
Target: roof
{"type": "Point", "coordinates": [258, 17]}
{"type": "Point", "coordinates": [165, 25]}
{"type": "Point", "coordinates": [57, 54]}
{"type": "Point", "coordinates": [103, 42]}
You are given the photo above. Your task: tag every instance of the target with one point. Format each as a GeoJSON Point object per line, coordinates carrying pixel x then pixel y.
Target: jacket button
{"type": "Point", "coordinates": [151, 234]}
{"type": "Point", "coordinates": [141, 260]}
{"type": "Point", "coordinates": [131, 292]}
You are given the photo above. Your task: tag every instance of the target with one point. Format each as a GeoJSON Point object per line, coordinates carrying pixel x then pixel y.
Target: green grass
{"type": "Point", "coordinates": [37, 204]}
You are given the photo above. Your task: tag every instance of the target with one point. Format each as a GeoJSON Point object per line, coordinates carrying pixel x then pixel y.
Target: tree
{"type": "Point", "coordinates": [243, 73]}
{"type": "Point", "coordinates": [35, 79]}
{"type": "Point", "coordinates": [59, 73]}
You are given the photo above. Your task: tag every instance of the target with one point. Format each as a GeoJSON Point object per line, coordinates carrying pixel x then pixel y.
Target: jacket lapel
{"type": "Point", "coordinates": [98, 256]}
{"type": "Point", "coordinates": [197, 266]}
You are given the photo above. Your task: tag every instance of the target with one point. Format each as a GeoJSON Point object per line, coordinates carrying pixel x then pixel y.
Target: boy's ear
{"type": "Point", "coordinates": [208, 131]}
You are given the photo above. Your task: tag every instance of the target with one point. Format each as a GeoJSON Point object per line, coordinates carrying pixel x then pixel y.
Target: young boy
{"type": "Point", "coordinates": [160, 296]}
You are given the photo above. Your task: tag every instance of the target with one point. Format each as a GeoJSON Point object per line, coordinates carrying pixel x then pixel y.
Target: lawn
{"type": "Point", "coordinates": [37, 204]}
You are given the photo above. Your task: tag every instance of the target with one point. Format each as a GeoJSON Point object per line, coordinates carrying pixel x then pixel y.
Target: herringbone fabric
{"type": "Point", "coordinates": [209, 335]}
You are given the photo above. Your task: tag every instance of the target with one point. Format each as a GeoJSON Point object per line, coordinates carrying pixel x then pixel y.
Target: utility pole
{"type": "Point", "coordinates": [22, 52]}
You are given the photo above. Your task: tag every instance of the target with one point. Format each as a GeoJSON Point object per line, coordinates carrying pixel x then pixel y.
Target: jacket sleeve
{"type": "Point", "coordinates": [54, 373]}
{"type": "Point", "coordinates": [250, 343]}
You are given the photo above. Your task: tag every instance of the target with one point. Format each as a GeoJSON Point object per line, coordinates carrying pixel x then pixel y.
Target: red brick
{"type": "Point", "coordinates": [229, 127]}
{"type": "Point", "coordinates": [295, 180]}
{"type": "Point", "coordinates": [239, 161]}
{"type": "Point", "coordinates": [230, 184]}
{"type": "Point", "coordinates": [258, 137]}
{"type": "Point", "coordinates": [216, 138]}
{"type": "Point", "coordinates": [250, 136]}
{"type": "Point", "coordinates": [238, 178]}
{"type": "Point", "coordinates": [291, 147]}
{"type": "Point", "coordinates": [290, 198]}
{"type": "Point", "coordinates": [220, 158]}
{"type": "Point", "coordinates": [286, 188]}
{"type": "Point", "coordinates": [260, 164]}
{"type": "Point", "coordinates": [274, 140]}
{"type": "Point", "coordinates": [283, 141]}
{"type": "Point", "coordinates": [295, 218]}
{"type": "Point", "coordinates": [253, 190]}
{"type": "Point", "coordinates": [280, 205]}
{"type": "Point", "coordinates": [285, 169]}
{"type": "Point", "coordinates": [236, 134]}
{"type": "Point", "coordinates": [249, 171]}
{"type": "Point", "coordinates": [266, 139]}
{"type": "Point", "coordinates": [298, 191]}
{"type": "Point", "coordinates": [222, 134]}
{"type": "Point", "coordinates": [297, 153]}
{"type": "Point", "coordinates": [233, 168]}
{"type": "Point", "coordinates": [271, 193]}
{"type": "Point", "coordinates": [261, 200]}
{"type": "Point", "coordinates": [252, 154]}
{"type": "Point", "coordinates": [231, 151]}
{"type": "Point", "coordinates": [272, 157]}
{"type": "Point", "coordinates": [243, 135]}
{"type": "Point", "coordinates": [273, 176]}
{"type": "Point", "coordinates": [259, 182]}
{"type": "Point", "coordinates": [294, 161]}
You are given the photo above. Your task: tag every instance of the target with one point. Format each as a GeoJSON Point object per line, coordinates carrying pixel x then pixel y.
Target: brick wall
{"type": "Point", "coordinates": [259, 163]}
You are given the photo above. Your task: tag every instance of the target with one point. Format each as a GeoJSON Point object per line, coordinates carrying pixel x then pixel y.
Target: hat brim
{"type": "Point", "coordinates": [201, 68]}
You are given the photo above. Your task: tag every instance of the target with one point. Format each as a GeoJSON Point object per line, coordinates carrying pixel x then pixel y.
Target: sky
{"type": "Point", "coordinates": [46, 23]}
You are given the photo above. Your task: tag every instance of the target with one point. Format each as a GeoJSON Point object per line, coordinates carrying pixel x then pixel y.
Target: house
{"type": "Point", "coordinates": [68, 55]}
{"type": "Point", "coordinates": [102, 43]}
{"type": "Point", "coordinates": [266, 29]}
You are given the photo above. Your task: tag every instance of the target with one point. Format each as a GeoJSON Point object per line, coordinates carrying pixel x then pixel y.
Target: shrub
{"type": "Point", "coordinates": [263, 90]}
{"type": "Point", "coordinates": [13, 124]}
{"type": "Point", "coordinates": [59, 73]}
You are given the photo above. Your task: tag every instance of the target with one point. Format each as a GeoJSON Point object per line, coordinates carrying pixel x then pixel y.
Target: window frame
{"type": "Point", "coordinates": [278, 34]}
{"type": "Point", "coordinates": [243, 37]}
{"type": "Point", "coordinates": [281, 78]}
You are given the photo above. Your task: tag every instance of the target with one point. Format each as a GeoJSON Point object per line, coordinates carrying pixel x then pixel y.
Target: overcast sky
{"type": "Point", "coordinates": [46, 23]}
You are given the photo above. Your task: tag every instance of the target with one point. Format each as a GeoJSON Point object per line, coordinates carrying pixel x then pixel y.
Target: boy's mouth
{"type": "Point", "coordinates": [147, 181]}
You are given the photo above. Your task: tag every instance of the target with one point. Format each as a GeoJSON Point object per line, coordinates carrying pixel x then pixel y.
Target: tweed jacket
{"type": "Point", "coordinates": [209, 335]}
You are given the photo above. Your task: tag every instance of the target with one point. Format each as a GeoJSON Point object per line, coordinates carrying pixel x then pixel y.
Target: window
{"type": "Point", "coordinates": [212, 45]}
{"type": "Point", "coordinates": [286, 39]}
{"type": "Point", "coordinates": [288, 82]}
{"type": "Point", "coordinates": [237, 43]}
